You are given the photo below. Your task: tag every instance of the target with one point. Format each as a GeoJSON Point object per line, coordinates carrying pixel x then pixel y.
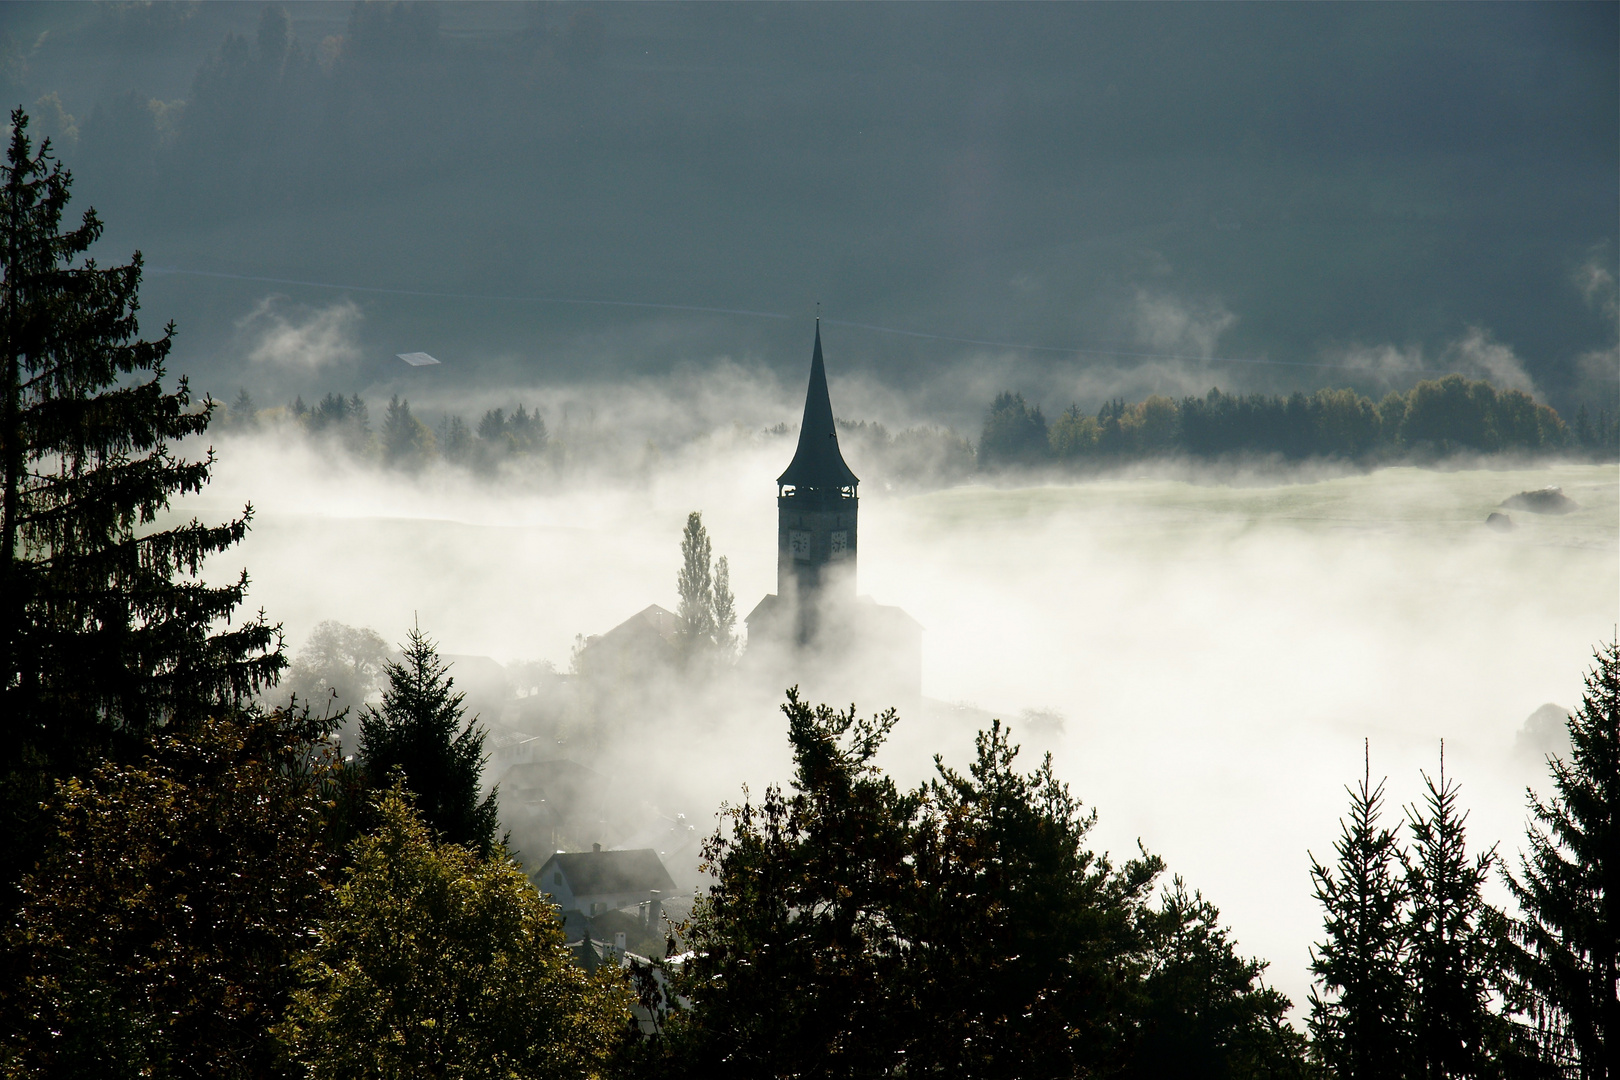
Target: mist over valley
{"type": "Point", "coordinates": [806, 540]}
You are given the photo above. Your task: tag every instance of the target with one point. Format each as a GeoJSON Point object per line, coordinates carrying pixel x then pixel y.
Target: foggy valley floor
{"type": "Point", "coordinates": [1202, 659]}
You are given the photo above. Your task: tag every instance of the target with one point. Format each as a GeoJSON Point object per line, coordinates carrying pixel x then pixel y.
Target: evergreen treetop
{"type": "Point", "coordinates": [105, 628]}
{"type": "Point", "coordinates": [1568, 887]}
{"type": "Point", "coordinates": [1451, 954]}
{"type": "Point", "coordinates": [420, 730]}
{"type": "Point", "coordinates": [1358, 1024]}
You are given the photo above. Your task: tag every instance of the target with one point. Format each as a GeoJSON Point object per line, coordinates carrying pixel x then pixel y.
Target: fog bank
{"type": "Point", "coordinates": [1202, 656]}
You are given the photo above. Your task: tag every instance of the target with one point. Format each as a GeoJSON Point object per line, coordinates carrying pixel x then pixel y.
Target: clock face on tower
{"type": "Point", "coordinates": [840, 544]}
{"type": "Point", "coordinates": [799, 544]}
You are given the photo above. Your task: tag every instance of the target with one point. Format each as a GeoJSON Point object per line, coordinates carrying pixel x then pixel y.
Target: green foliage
{"type": "Point", "coordinates": [1564, 947]}
{"type": "Point", "coordinates": [455, 441]}
{"type": "Point", "coordinates": [1452, 956]}
{"type": "Point", "coordinates": [338, 667]}
{"type": "Point", "coordinates": [107, 630]}
{"type": "Point", "coordinates": [694, 583]}
{"type": "Point", "coordinates": [725, 608]}
{"type": "Point", "coordinates": [1207, 1011]}
{"type": "Point", "coordinates": [406, 441]}
{"type": "Point", "coordinates": [1444, 416]}
{"type": "Point", "coordinates": [1014, 433]}
{"type": "Point", "coordinates": [1412, 969]}
{"type": "Point", "coordinates": [1030, 946]}
{"type": "Point", "coordinates": [96, 634]}
{"type": "Point", "coordinates": [433, 962]}
{"type": "Point", "coordinates": [960, 929]}
{"type": "Point", "coordinates": [707, 610]}
{"type": "Point", "coordinates": [344, 419]}
{"type": "Point", "coordinates": [155, 935]}
{"type": "Point", "coordinates": [419, 730]}
{"type": "Point", "coordinates": [502, 438]}
{"type": "Point", "coordinates": [1359, 1024]}
{"type": "Point", "coordinates": [242, 415]}
{"type": "Point", "coordinates": [797, 946]}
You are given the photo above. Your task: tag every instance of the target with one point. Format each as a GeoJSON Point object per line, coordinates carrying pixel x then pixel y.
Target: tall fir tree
{"type": "Point", "coordinates": [243, 414]}
{"type": "Point", "coordinates": [1451, 955]}
{"type": "Point", "coordinates": [1568, 889]}
{"type": "Point", "coordinates": [421, 731]}
{"type": "Point", "coordinates": [106, 630]}
{"type": "Point", "coordinates": [1358, 1024]}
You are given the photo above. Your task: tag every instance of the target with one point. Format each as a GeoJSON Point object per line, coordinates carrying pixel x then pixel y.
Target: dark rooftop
{"type": "Point", "coordinates": [593, 873]}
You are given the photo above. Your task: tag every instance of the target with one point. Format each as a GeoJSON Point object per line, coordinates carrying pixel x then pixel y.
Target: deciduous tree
{"type": "Point", "coordinates": [434, 962]}
{"type": "Point", "coordinates": [155, 936]}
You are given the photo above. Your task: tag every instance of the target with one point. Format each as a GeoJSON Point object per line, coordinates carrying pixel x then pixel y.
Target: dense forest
{"type": "Point", "coordinates": [1436, 418]}
{"type": "Point", "coordinates": [197, 883]}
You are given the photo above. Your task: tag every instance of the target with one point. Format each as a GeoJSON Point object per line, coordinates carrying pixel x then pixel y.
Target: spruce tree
{"type": "Point", "coordinates": [1568, 888]}
{"type": "Point", "coordinates": [1450, 955]}
{"type": "Point", "coordinates": [420, 731]}
{"type": "Point", "coordinates": [105, 627]}
{"type": "Point", "coordinates": [243, 414]}
{"type": "Point", "coordinates": [406, 441]}
{"type": "Point", "coordinates": [1358, 1025]}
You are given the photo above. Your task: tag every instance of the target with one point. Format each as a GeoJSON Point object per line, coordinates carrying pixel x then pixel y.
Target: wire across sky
{"type": "Point", "coordinates": [750, 313]}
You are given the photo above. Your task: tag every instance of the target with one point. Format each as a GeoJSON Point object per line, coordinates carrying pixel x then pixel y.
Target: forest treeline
{"type": "Point", "coordinates": [501, 439]}
{"type": "Point", "coordinates": [1436, 418]}
{"type": "Point", "coordinates": [194, 884]}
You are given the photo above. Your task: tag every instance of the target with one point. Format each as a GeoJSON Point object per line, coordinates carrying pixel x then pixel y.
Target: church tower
{"type": "Point", "coordinates": [814, 631]}
{"type": "Point", "coordinates": [816, 509]}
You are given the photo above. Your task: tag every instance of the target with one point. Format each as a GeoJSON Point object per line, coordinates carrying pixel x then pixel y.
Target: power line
{"type": "Point", "coordinates": [579, 301]}
{"type": "Point", "coordinates": [1081, 351]}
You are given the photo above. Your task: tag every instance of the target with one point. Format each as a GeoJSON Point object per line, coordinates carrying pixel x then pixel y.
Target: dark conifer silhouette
{"type": "Point", "coordinates": [1450, 952]}
{"type": "Point", "coordinates": [1568, 888]}
{"type": "Point", "coordinates": [420, 731]}
{"type": "Point", "coordinates": [1358, 1025]}
{"type": "Point", "coordinates": [1014, 433]}
{"type": "Point", "coordinates": [105, 630]}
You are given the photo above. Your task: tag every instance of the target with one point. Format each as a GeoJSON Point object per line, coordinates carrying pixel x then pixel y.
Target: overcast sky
{"type": "Point", "coordinates": [1359, 187]}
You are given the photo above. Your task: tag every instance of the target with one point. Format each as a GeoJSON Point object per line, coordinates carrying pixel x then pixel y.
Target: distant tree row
{"type": "Point", "coordinates": [403, 441]}
{"type": "Point", "coordinates": [1435, 418]}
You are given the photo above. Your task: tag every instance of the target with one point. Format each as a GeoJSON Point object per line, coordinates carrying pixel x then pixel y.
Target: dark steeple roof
{"type": "Point", "coordinates": [817, 462]}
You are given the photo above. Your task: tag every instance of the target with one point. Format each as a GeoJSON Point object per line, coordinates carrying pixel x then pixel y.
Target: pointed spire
{"type": "Point", "coordinates": [817, 463]}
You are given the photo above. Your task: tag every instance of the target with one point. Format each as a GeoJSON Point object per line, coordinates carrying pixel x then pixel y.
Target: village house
{"type": "Point", "coordinates": [597, 881]}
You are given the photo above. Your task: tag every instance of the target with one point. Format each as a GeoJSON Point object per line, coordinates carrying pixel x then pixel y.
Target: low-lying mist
{"type": "Point", "coordinates": [1203, 653]}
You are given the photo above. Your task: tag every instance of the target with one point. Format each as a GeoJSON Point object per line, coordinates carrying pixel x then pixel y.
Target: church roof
{"type": "Point", "coordinates": [817, 462]}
